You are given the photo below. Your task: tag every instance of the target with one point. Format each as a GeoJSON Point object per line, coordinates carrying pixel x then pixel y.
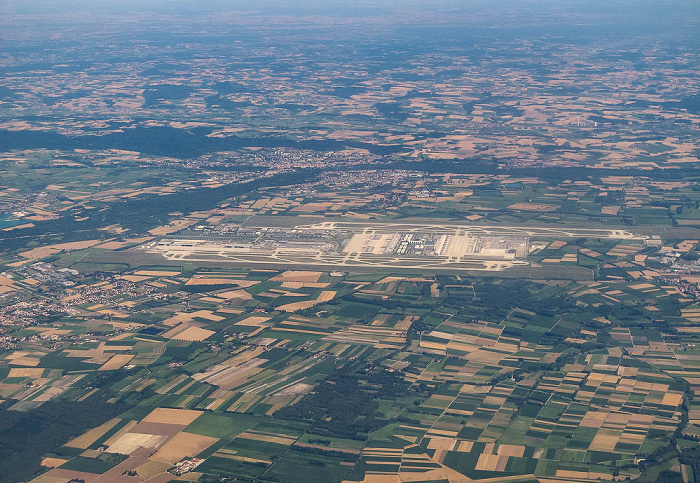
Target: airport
{"type": "Point", "coordinates": [380, 245]}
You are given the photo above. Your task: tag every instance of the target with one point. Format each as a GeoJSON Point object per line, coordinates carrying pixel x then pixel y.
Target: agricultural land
{"type": "Point", "coordinates": [363, 244]}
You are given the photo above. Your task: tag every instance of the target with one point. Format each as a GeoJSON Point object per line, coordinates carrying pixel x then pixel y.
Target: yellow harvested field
{"type": "Point", "coordinates": [215, 300]}
{"type": "Point", "coordinates": [93, 435]}
{"type": "Point", "coordinates": [465, 446]}
{"type": "Point", "coordinates": [324, 296]}
{"type": "Point", "coordinates": [19, 227]}
{"type": "Point", "coordinates": [178, 319]}
{"type": "Point", "coordinates": [433, 345]}
{"type": "Point", "coordinates": [18, 263]}
{"type": "Point", "coordinates": [120, 433]}
{"type": "Point", "coordinates": [582, 475]}
{"type": "Point", "coordinates": [641, 286]}
{"type": "Point", "coordinates": [183, 445]}
{"type": "Point", "coordinates": [235, 294]}
{"type": "Point", "coordinates": [46, 251]}
{"type": "Point", "coordinates": [117, 361]}
{"type": "Point", "coordinates": [297, 285]}
{"type": "Point", "coordinates": [604, 442]}
{"type": "Point", "coordinates": [295, 389]}
{"type": "Point", "coordinates": [672, 399]}
{"type": "Point", "coordinates": [443, 443]}
{"type": "Point", "coordinates": [30, 372]}
{"type": "Point", "coordinates": [285, 440]}
{"type": "Point", "coordinates": [194, 334]}
{"type": "Point", "coordinates": [52, 462]}
{"type": "Point", "coordinates": [176, 225]}
{"type": "Point", "coordinates": [25, 361]}
{"type": "Point", "coordinates": [130, 442]}
{"type": "Point", "coordinates": [511, 450]}
{"type": "Point", "coordinates": [172, 416]}
{"type": "Point", "coordinates": [47, 332]}
{"type": "Point", "coordinates": [253, 321]}
{"type": "Point", "coordinates": [16, 355]}
{"type": "Point", "coordinates": [297, 276]}
{"type": "Point", "coordinates": [187, 317]}
{"type": "Point", "coordinates": [609, 210]}
{"type": "Point", "coordinates": [381, 479]}
{"type": "Point", "coordinates": [491, 462]}
{"type": "Point", "coordinates": [121, 336]}
{"type": "Point", "coordinates": [175, 330]}
{"type": "Point", "coordinates": [6, 281]}
{"type": "Point", "coordinates": [221, 281]}
{"type": "Point", "coordinates": [113, 245]}
{"type": "Point", "coordinates": [157, 273]}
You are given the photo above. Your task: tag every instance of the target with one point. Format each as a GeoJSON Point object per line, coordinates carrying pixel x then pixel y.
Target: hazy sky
{"type": "Point", "coordinates": [545, 17]}
{"type": "Point", "coordinates": [337, 7]}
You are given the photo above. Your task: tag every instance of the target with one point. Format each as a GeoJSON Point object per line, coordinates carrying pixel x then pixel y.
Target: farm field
{"type": "Point", "coordinates": [361, 350]}
{"type": "Point", "coordinates": [362, 372]}
{"type": "Point", "coordinates": [368, 375]}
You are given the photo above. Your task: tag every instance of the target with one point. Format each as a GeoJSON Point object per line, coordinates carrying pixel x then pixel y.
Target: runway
{"type": "Point", "coordinates": [457, 254]}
